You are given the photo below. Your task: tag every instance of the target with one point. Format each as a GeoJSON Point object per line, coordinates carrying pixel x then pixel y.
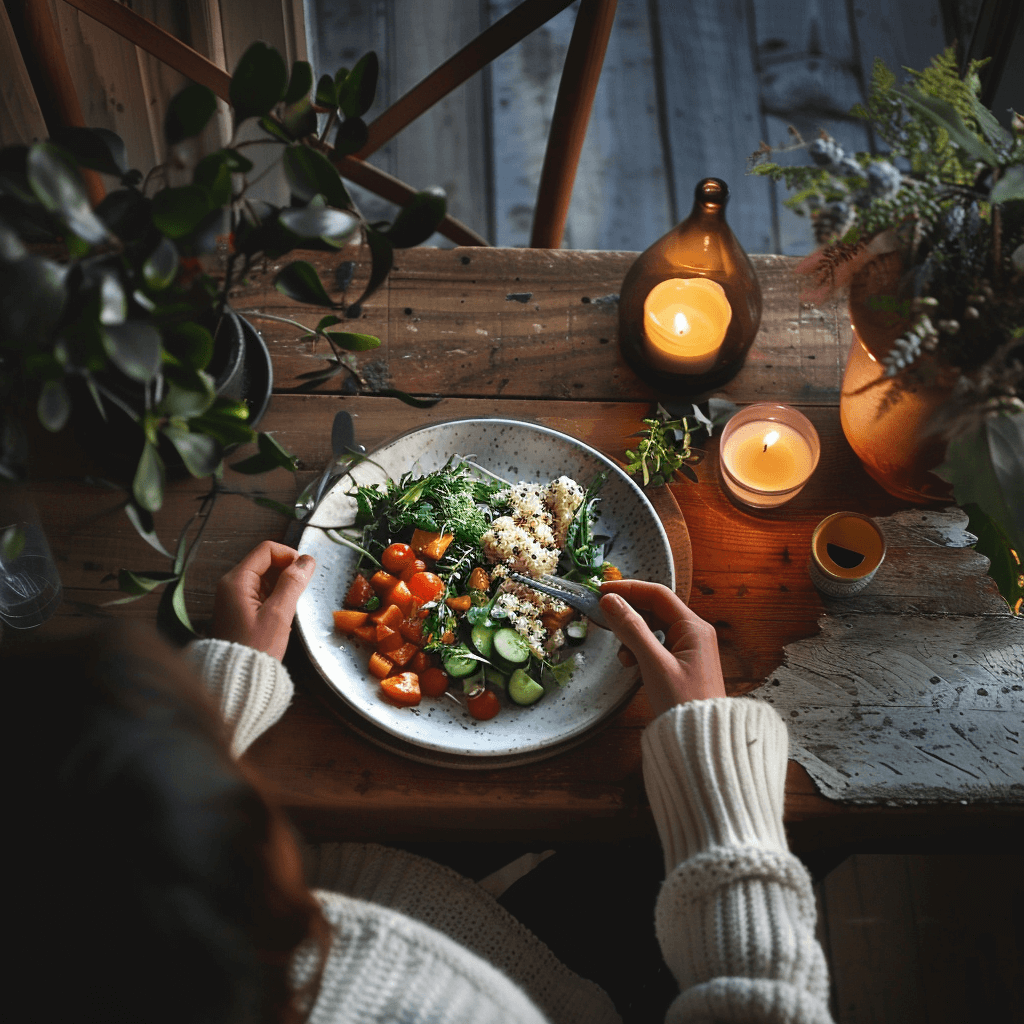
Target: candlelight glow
{"type": "Point", "coordinates": [685, 321]}
{"type": "Point", "coordinates": [770, 438]}
{"type": "Point", "coordinates": [682, 325]}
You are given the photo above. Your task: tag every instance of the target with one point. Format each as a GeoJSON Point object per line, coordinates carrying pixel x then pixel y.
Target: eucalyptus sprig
{"type": "Point", "coordinates": [665, 449]}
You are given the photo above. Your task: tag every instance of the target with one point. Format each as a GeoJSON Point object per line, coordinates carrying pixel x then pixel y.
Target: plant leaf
{"type": "Point", "coordinates": [417, 403]}
{"type": "Point", "coordinates": [382, 258]}
{"type": "Point", "coordinates": [355, 95]}
{"type": "Point", "coordinates": [32, 298]}
{"type": "Point", "coordinates": [200, 452]}
{"type": "Point", "coordinates": [140, 584]}
{"type": "Point", "coordinates": [986, 468]}
{"type": "Point", "coordinates": [188, 113]}
{"type": "Point", "coordinates": [288, 511]}
{"type": "Point", "coordinates": [161, 267]}
{"type": "Point", "coordinates": [299, 118]}
{"type": "Point", "coordinates": [134, 348]}
{"type": "Point", "coordinates": [993, 543]}
{"type": "Point", "coordinates": [99, 149]}
{"type": "Point", "coordinates": [259, 82]}
{"type": "Point", "coordinates": [1010, 186]}
{"type": "Point", "coordinates": [351, 136]}
{"type": "Point", "coordinates": [226, 421]}
{"type": "Point", "coordinates": [213, 173]}
{"type": "Point", "coordinates": [336, 227]}
{"type": "Point", "coordinates": [177, 212]}
{"type": "Point", "coordinates": [56, 183]}
{"type": "Point", "coordinates": [143, 523]}
{"type": "Point", "coordinates": [113, 301]}
{"type": "Point", "coordinates": [172, 615]}
{"type": "Point", "coordinates": [300, 83]}
{"type": "Point", "coordinates": [300, 281]}
{"type": "Point", "coordinates": [54, 406]}
{"type": "Point", "coordinates": [271, 127]}
{"type": "Point", "coordinates": [148, 484]}
{"type": "Point", "coordinates": [418, 219]}
{"type": "Point", "coordinates": [189, 394]}
{"type": "Point", "coordinates": [270, 456]}
{"type": "Point", "coordinates": [189, 342]}
{"type": "Point", "coordinates": [353, 342]}
{"type": "Point", "coordinates": [326, 93]}
{"type": "Point", "coordinates": [310, 173]}
{"type": "Point", "coordinates": [946, 117]}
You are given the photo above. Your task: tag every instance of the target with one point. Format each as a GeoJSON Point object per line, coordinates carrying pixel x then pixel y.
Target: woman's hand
{"type": "Point", "coordinates": [255, 602]}
{"type": "Point", "coordinates": [687, 666]}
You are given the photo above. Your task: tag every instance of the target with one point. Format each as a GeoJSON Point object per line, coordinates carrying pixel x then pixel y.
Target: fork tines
{"type": "Point", "coordinates": [577, 596]}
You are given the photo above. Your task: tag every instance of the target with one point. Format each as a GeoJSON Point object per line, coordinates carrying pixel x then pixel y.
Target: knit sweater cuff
{"type": "Point", "coordinates": [715, 773]}
{"type": "Point", "coordinates": [251, 689]}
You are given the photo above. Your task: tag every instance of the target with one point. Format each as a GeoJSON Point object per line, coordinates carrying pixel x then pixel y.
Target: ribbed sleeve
{"type": "Point", "coordinates": [735, 917]}
{"type": "Point", "coordinates": [252, 689]}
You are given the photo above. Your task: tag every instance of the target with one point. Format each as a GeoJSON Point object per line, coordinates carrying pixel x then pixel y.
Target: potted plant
{"type": "Point", "coordinates": [122, 310]}
{"type": "Point", "coordinates": [929, 240]}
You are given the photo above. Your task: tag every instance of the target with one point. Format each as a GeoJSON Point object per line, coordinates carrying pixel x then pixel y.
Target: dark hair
{"type": "Point", "coordinates": [152, 863]}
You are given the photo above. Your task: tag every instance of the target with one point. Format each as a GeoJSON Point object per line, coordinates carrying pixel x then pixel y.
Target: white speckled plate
{"type": "Point", "coordinates": [440, 730]}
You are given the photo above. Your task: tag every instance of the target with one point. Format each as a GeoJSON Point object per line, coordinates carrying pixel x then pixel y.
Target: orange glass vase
{"type": "Point", "coordinates": [889, 427]}
{"type": "Point", "coordinates": [702, 246]}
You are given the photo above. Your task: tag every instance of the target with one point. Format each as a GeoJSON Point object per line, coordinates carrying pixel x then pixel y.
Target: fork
{"type": "Point", "coordinates": [577, 596]}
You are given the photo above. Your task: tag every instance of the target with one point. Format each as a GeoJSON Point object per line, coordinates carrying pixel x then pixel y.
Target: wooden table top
{"type": "Point", "coordinates": [528, 334]}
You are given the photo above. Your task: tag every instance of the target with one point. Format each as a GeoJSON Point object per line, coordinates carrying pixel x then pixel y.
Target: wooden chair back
{"type": "Point", "coordinates": [573, 103]}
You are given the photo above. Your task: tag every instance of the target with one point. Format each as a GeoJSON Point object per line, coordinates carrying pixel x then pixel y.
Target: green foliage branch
{"type": "Point", "coordinates": [116, 306]}
{"type": "Point", "coordinates": [948, 198]}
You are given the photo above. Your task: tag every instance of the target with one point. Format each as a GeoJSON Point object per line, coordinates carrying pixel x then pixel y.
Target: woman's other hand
{"type": "Point", "coordinates": [687, 666]}
{"type": "Point", "coordinates": [255, 602]}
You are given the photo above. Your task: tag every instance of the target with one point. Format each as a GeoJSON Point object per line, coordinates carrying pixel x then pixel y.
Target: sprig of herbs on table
{"type": "Point", "coordinates": [666, 447]}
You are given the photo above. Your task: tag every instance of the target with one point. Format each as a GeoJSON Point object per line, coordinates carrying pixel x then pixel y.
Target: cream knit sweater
{"type": "Point", "coordinates": [416, 942]}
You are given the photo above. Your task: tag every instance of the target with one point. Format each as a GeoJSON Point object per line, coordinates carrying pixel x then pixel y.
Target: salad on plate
{"type": "Point", "coordinates": [432, 600]}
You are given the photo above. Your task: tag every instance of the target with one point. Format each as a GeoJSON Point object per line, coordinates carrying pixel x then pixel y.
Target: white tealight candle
{"type": "Point", "coordinates": [685, 320]}
{"type": "Point", "coordinates": [768, 453]}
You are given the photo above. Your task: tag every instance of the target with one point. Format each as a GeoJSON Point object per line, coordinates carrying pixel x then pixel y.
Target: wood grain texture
{"type": "Point", "coordinates": [750, 574]}
{"type": "Point", "coordinates": [21, 120]}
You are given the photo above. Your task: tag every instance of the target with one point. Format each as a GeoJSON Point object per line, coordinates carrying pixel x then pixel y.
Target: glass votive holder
{"type": "Point", "coordinates": [766, 455]}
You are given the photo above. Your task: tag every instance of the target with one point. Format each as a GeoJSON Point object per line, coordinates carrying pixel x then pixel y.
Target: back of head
{"type": "Point", "coordinates": [148, 864]}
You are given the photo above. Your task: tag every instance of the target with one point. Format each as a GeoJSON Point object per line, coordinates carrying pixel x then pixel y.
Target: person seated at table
{"type": "Point", "coordinates": [163, 885]}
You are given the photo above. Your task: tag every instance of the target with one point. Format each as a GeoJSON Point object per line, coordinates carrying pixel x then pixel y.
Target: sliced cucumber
{"type": "Point", "coordinates": [482, 639]}
{"type": "Point", "coordinates": [576, 631]}
{"type": "Point", "coordinates": [510, 647]}
{"type": "Point", "coordinates": [523, 689]}
{"type": "Point", "coordinates": [475, 681]}
{"type": "Point", "coordinates": [494, 677]}
{"type": "Point", "coordinates": [457, 667]}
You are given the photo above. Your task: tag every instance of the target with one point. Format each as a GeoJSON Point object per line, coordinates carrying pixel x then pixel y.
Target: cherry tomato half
{"type": "Point", "coordinates": [484, 705]}
{"type": "Point", "coordinates": [396, 557]}
{"type": "Point", "coordinates": [426, 586]}
{"type": "Point", "coordinates": [433, 682]}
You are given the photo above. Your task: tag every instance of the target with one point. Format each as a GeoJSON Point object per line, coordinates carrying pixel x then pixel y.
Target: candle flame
{"type": "Point", "coordinates": [769, 439]}
{"type": "Point", "coordinates": [682, 325]}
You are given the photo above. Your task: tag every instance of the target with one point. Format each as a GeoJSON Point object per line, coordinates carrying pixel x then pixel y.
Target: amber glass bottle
{"type": "Point", "coordinates": [703, 246]}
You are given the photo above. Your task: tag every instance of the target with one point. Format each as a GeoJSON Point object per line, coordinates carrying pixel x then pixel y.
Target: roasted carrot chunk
{"type": "Point", "coordinates": [401, 595]}
{"type": "Point", "coordinates": [346, 620]}
{"type": "Point", "coordinates": [429, 544]}
{"type": "Point", "coordinates": [557, 620]}
{"type": "Point", "coordinates": [380, 666]}
{"type": "Point", "coordinates": [414, 567]}
{"type": "Point", "coordinates": [462, 603]}
{"type": "Point", "coordinates": [611, 572]}
{"type": "Point", "coordinates": [390, 643]}
{"type": "Point", "coordinates": [412, 630]}
{"type": "Point", "coordinates": [419, 663]}
{"type": "Point", "coordinates": [478, 579]}
{"type": "Point", "coordinates": [390, 615]}
{"type": "Point", "coordinates": [367, 633]}
{"type": "Point", "coordinates": [403, 688]}
{"type": "Point", "coordinates": [401, 656]}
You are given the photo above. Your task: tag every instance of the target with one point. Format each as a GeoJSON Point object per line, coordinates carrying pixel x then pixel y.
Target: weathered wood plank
{"type": "Point", "coordinates": [712, 113]}
{"type": "Point", "coordinates": [21, 120]}
{"type": "Point", "coordinates": [536, 322]}
{"type": "Point", "coordinates": [902, 35]}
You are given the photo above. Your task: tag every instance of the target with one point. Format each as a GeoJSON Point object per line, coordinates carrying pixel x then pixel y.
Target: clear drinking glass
{"type": "Point", "coordinates": [30, 587]}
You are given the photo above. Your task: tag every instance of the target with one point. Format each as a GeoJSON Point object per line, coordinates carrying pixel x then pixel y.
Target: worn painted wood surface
{"type": "Point", "coordinates": [749, 571]}
{"type": "Point", "coordinates": [914, 690]}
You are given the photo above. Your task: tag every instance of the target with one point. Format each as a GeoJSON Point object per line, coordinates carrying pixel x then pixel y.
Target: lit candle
{"type": "Point", "coordinates": [768, 453]}
{"type": "Point", "coordinates": [685, 320]}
